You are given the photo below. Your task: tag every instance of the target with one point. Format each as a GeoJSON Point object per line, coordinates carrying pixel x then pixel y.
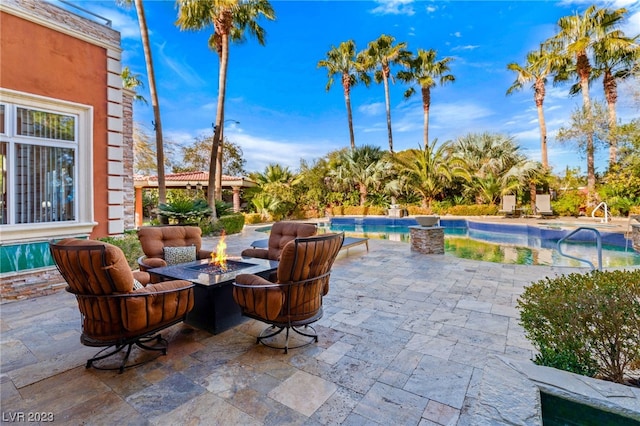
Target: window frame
{"type": "Point", "coordinates": [83, 179]}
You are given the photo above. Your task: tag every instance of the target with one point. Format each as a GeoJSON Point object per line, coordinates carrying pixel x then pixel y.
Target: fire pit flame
{"type": "Point", "coordinates": [219, 257]}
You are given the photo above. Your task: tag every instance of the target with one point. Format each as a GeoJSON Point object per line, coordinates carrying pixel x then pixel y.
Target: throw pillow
{"type": "Point", "coordinates": [137, 284]}
{"type": "Point", "coordinates": [173, 255]}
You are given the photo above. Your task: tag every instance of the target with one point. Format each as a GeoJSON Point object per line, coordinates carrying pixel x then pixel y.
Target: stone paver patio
{"type": "Point", "coordinates": [405, 339]}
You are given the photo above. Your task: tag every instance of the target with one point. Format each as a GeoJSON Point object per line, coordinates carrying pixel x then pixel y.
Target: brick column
{"type": "Point", "coordinates": [236, 199]}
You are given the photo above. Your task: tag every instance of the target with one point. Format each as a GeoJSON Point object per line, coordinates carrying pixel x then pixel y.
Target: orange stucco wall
{"type": "Point", "coordinates": [41, 61]}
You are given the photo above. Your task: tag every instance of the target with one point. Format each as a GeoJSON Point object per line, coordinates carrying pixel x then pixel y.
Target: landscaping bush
{"type": "Point", "coordinates": [569, 203]}
{"type": "Point", "coordinates": [129, 244]}
{"type": "Point", "coordinates": [252, 218]}
{"type": "Point", "coordinates": [473, 210]}
{"type": "Point", "coordinates": [418, 211]}
{"type": "Point", "coordinates": [585, 323]}
{"type": "Point", "coordinates": [233, 223]}
{"type": "Point", "coordinates": [184, 211]}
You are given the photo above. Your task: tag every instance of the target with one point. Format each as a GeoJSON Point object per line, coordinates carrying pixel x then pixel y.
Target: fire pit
{"type": "Point", "coordinates": [215, 269]}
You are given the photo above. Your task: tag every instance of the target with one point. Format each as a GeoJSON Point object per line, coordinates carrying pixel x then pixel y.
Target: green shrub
{"type": "Point", "coordinates": [252, 218]}
{"type": "Point", "coordinates": [129, 244]}
{"type": "Point", "coordinates": [233, 223]}
{"type": "Point", "coordinates": [473, 210]}
{"type": "Point", "coordinates": [185, 211]}
{"type": "Point", "coordinates": [418, 210]}
{"type": "Point", "coordinates": [569, 203]}
{"type": "Point", "coordinates": [585, 323]}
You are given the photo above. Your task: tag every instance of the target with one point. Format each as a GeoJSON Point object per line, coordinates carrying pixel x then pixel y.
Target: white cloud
{"type": "Point", "coordinates": [394, 7]}
{"type": "Point", "coordinates": [180, 67]}
{"type": "Point", "coordinates": [466, 47]}
{"type": "Point", "coordinates": [457, 34]}
{"type": "Point", "coordinates": [431, 9]}
{"type": "Point", "coordinates": [375, 108]}
{"type": "Point", "coordinates": [260, 152]}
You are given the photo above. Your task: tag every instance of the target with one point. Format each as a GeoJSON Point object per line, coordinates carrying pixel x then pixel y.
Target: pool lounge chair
{"type": "Point", "coordinates": [509, 206]}
{"type": "Point", "coordinates": [543, 205]}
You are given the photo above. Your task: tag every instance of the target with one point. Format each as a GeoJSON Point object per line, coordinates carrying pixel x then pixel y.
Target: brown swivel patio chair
{"type": "Point", "coordinates": [115, 315]}
{"type": "Point", "coordinates": [281, 233]}
{"type": "Point", "coordinates": [156, 241]}
{"type": "Point", "coordinates": [294, 300]}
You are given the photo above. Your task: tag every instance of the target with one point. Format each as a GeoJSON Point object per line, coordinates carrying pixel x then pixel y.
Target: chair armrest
{"type": "Point", "coordinates": [255, 252]}
{"type": "Point", "coordinates": [143, 277]}
{"type": "Point", "coordinates": [204, 254]}
{"type": "Point", "coordinates": [145, 263]}
{"type": "Point", "coordinates": [258, 297]}
{"type": "Point", "coordinates": [156, 304]}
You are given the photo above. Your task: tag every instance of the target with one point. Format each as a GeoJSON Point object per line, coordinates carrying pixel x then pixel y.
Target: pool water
{"type": "Point", "coordinates": [500, 243]}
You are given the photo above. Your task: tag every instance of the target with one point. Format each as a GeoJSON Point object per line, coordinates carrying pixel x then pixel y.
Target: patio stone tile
{"type": "Point", "coordinates": [113, 410]}
{"type": "Point", "coordinates": [486, 341]}
{"type": "Point", "coordinates": [303, 392]}
{"type": "Point", "coordinates": [337, 408]}
{"type": "Point", "coordinates": [470, 355]}
{"type": "Point", "coordinates": [458, 318]}
{"type": "Point", "coordinates": [406, 361]}
{"type": "Point", "coordinates": [429, 345]}
{"type": "Point", "coordinates": [490, 323]}
{"type": "Point", "coordinates": [441, 414]}
{"type": "Point", "coordinates": [393, 378]}
{"type": "Point", "coordinates": [354, 374]}
{"type": "Point", "coordinates": [205, 409]}
{"type": "Point", "coordinates": [15, 355]}
{"type": "Point", "coordinates": [440, 380]}
{"type": "Point", "coordinates": [474, 305]}
{"type": "Point", "coordinates": [390, 405]}
{"type": "Point", "coordinates": [164, 396]}
{"type": "Point", "coordinates": [334, 352]}
{"type": "Point", "coordinates": [62, 391]}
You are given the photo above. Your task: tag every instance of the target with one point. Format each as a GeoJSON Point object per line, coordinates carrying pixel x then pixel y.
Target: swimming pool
{"type": "Point", "coordinates": [500, 242]}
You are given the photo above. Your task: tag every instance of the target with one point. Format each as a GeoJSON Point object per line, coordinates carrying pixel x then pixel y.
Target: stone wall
{"type": "Point", "coordinates": [32, 284]}
{"type": "Point", "coordinates": [635, 236]}
{"type": "Point", "coordinates": [427, 240]}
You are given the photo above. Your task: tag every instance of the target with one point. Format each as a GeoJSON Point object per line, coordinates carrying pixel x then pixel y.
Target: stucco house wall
{"type": "Point", "coordinates": [55, 60]}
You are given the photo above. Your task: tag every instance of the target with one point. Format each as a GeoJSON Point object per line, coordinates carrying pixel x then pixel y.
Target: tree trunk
{"type": "Point", "coordinates": [385, 78]}
{"type": "Point", "coordinates": [611, 94]}
{"type": "Point", "coordinates": [157, 124]}
{"type": "Point", "coordinates": [363, 194]}
{"type": "Point", "coordinates": [218, 191]}
{"type": "Point", "coordinates": [426, 104]}
{"type": "Point", "coordinates": [347, 100]}
{"type": "Point", "coordinates": [222, 86]}
{"type": "Point", "coordinates": [539, 94]}
{"type": "Point", "coordinates": [584, 69]}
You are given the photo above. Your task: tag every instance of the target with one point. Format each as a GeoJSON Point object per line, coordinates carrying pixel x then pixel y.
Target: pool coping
{"type": "Point", "coordinates": [510, 392]}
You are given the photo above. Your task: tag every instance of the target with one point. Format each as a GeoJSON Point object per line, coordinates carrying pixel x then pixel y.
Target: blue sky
{"type": "Point", "coordinates": [278, 94]}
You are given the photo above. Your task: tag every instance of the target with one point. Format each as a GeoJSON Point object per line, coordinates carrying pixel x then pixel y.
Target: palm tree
{"type": "Point", "coordinates": [342, 60]}
{"type": "Point", "coordinates": [578, 36]}
{"type": "Point", "coordinates": [539, 65]}
{"type": "Point", "coordinates": [614, 62]}
{"type": "Point", "coordinates": [157, 122]}
{"type": "Point", "coordinates": [363, 167]}
{"type": "Point", "coordinates": [429, 170]}
{"type": "Point", "coordinates": [230, 19]}
{"type": "Point", "coordinates": [132, 81]}
{"type": "Point", "coordinates": [424, 70]}
{"type": "Point", "coordinates": [494, 163]}
{"type": "Point", "coordinates": [379, 55]}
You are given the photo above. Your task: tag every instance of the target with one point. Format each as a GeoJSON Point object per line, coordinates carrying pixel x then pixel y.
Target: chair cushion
{"type": "Point", "coordinates": [173, 255]}
{"type": "Point", "coordinates": [154, 238]}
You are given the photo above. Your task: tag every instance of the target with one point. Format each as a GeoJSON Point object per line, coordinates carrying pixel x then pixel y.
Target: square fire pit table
{"type": "Point", "coordinates": [214, 309]}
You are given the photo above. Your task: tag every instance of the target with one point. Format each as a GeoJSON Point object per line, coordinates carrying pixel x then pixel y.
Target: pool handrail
{"type": "Point", "coordinates": [598, 245]}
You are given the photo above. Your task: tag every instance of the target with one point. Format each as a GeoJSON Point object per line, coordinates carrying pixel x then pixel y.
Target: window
{"type": "Point", "coordinates": [38, 162]}
{"type": "Point", "coordinates": [45, 155]}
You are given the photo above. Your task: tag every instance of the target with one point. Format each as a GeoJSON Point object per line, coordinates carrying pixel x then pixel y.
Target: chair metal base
{"type": "Point", "coordinates": [161, 346]}
{"type": "Point", "coordinates": [274, 330]}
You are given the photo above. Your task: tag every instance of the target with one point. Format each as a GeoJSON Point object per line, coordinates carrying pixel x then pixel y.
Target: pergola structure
{"type": "Point", "coordinates": [188, 180]}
